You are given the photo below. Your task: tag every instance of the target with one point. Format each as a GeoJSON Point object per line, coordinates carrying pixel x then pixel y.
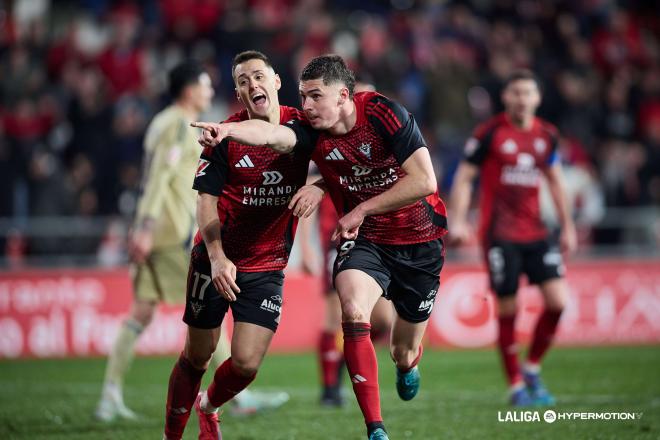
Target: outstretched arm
{"type": "Point", "coordinates": [418, 183]}
{"type": "Point", "coordinates": [279, 138]}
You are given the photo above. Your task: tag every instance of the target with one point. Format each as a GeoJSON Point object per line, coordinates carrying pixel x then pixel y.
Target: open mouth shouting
{"type": "Point", "coordinates": [259, 100]}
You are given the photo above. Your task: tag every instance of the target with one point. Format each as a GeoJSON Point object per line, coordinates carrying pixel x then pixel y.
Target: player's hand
{"type": "Point", "coordinates": [223, 275]}
{"type": "Point", "coordinates": [568, 239]}
{"type": "Point", "coordinates": [305, 201]}
{"type": "Point", "coordinates": [349, 225]}
{"type": "Point", "coordinates": [212, 133]}
{"type": "Point", "coordinates": [459, 233]}
{"type": "Point", "coordinates": [140, 244]}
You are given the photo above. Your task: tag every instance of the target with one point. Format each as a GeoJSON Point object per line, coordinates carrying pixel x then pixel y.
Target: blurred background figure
{"type": "Point", "coordinates": [69, 67]}
{"type": "Point", "coordinates": [512, 153]}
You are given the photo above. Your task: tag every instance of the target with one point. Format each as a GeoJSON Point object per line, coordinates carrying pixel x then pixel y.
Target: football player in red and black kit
{"type": "Point", "coordinates": [378, 171]}
{"type": "Point", "coordinates": [511, 152]}
{"type": "Point", "coordinates": [246, 230]}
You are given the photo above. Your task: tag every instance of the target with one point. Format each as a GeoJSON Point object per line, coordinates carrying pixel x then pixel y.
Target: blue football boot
{"type": "Point", "coordinates": [407, 384]}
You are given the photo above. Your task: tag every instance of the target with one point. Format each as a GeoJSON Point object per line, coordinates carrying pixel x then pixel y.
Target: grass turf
{"type": "Point", "coordinates": [461, 395]}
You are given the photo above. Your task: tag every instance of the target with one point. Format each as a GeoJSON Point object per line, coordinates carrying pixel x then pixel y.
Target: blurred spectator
{"type": "Point", "coordinates": [79, 78]}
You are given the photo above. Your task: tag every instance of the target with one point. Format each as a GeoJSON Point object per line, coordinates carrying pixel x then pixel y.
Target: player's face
{"type": "Point", "coordinates": [321, 103]}
{"type": "Point", "coordinates": [521, 98]}
{"type": "Point", "coordinates": [202, 93]}
{"type": "Point", "coordinates": [256, 87]}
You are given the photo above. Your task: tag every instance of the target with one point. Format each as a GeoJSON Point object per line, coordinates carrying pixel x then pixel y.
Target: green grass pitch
{"type": "Point", "coordinates": [461, 394]}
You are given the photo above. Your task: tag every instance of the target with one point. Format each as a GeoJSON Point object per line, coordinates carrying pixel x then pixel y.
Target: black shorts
{"type": "Point", "coordinates": [506, 260]}
{"type": "Point", "coordinates": [259, 302]}
{"type": "Point", "coordinates": [408, 274]}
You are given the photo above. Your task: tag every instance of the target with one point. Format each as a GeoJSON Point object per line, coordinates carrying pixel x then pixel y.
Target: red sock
{"type": "Point", "coordinates": [508, 349]}
{"type": "Point", "coordinates": [543, 335]}
{"type": "Point", "coordinates": [226, 384]}
{"type": "Point", "coordinates": [330, 358]}
{"type": "Point", "coordinates": [415, 361]}
{"type": "Point", "coordinates": [181, 393]}
{"type": "Point", "coordinates": [363, 368]}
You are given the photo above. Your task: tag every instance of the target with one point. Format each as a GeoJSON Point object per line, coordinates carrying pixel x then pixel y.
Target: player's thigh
{"type": "Point", "coordinates": [382, 315]}
{"type": "Point", "coordinates": [360, 277]}
{"type": "Point", "coordinates": [200, 345]}
{"type": "Point", "coordinates": [205, 308]}
{"type": "Point", "coordinates": [260, 299]}
{"type": "Point", "coordinates": [555, 293]}
{"type": "Point", "coordinates": [162, 277]}
{"type": "Point", "coordinates": [249, 345]}
{"type": "Point", "coordinates": [358, 292]}
{"type": "Point", "coordinates": [415, 278]}
{"type": "Point", "coordinates": [504, 263]}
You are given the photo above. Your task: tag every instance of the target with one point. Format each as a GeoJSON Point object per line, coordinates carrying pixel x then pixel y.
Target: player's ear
{"type": "Point", "coordinates": [238, 96]}
{"type": "Point", "coordinates": [343, 95]}
{"type": "Point", "coordinates": [278, 82]}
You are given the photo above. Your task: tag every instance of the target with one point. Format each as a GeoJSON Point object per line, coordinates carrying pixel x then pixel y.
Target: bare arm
{"type": "Point", "coordinates": [556, 185]}
{"type": "Point", "coordinates": [279, 138]}
{"type": "Point", "coordinates": [418, 183]}
{"type": "Point", "coordinates": [461, 195]}
{"type": "Point", "coordinates": [223, 271]}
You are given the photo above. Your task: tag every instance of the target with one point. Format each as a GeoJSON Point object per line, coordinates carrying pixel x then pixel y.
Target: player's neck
{"type": "Point", "coordinates": [347, 119]}
{"type": "Point", "coordinates": [523, 123]}
{"type": "Point", "coordinates": [273, 116]}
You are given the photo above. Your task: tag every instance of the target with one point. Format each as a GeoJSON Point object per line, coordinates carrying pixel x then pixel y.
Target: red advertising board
{"type": "Point", "coordinates": [77, 312]}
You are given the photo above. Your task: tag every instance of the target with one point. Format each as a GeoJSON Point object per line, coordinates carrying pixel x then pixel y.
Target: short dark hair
{"type": "Point", "coordinates": [182, 75]}
{"type": "Point", "coordinates": [331, 69]}
{"type": "Point", "coordinates": [247, 56]}
{"type": "Point", "coordinates": [522, 74]}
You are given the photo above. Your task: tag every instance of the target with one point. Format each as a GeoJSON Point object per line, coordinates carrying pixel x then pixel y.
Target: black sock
{"type": "Point", "coordinates": [371, 427]}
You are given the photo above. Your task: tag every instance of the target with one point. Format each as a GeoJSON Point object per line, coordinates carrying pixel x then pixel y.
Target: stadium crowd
{"type": "Point", "coordinates": [82, 78]}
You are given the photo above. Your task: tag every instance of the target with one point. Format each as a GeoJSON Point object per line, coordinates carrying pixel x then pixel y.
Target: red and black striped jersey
{"type": "Point", "coordinates": [512, 161]}
{"type": "Point", "coordinates": [254, 186]}
{"type": "Point", "coordinates": [366, 162]}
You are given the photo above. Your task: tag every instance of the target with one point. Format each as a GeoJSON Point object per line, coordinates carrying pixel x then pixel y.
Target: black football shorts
{"type": "Point", "coordinates": [540, 260]}
{"type": "Point", "coordinates": [259, 302]}
{"type": "Point", "coordinates": [408, 274]}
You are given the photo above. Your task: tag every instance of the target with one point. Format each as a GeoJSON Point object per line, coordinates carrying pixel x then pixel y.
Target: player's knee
{"type": "Point", "coordinates": [557, 304]}
{"type": "Point", "coordinates": [352, 312]}
{"type": "Point", "coordinates": [245, 367]}
{"type": "Point", "coordinates": [199, 359]}
{"type": "Point", "coordinates": [555, 295]}
{"type": "Point", "coordinates": [506, 305]}
{"type": "Point", "coordinates": [143, 313]}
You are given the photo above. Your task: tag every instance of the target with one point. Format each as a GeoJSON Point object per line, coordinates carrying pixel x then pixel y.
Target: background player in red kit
{"type": "Point", "coordinates": [378, 172]}
{"type": "Point", "coordinates": [245, 234]}
{"type": "Point", "coordinates": [512, 151]}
